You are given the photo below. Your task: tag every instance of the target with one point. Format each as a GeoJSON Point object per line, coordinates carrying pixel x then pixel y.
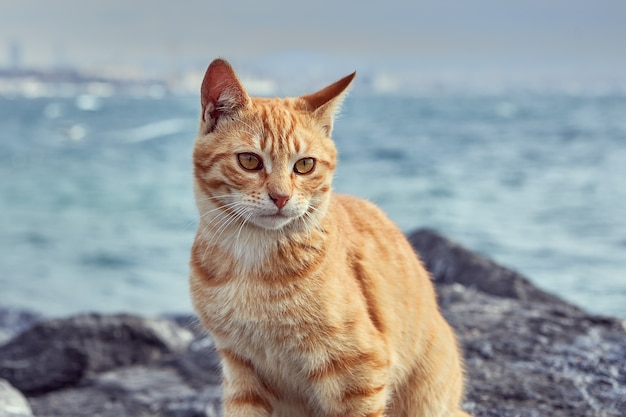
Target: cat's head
{"type": "Point", "coordinates": [263, 162]}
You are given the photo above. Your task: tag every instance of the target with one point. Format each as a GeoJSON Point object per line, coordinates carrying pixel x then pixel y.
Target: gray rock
{"type": "Point", "coordinates": [528, 353]}
{"type": "Point", "coordinates": [449, 262]}
{"type": "Point", "coordinates": [13, 321]}
{"type": "Point", "coordinates": [59, 353]}
{"type": "Point", "coordinates": [539, 361]}
{"type": "Point", "coordinates": [131, 391]}
{"type": "Point", "coordinates": [200, 365]}
{"type": "Point", "coordinates": [12, 402]}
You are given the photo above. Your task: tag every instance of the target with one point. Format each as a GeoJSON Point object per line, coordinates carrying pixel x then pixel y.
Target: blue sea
{"type": "Point", "coordinates": [97, 212]}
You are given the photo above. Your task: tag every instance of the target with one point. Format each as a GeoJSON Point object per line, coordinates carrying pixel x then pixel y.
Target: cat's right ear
{"type": "Point", "coordinates": [221, 93]}
{"type": "Point", "coordinates": [325, 103]}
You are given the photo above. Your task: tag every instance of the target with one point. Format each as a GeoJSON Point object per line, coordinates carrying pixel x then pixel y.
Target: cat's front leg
{"type": "Point", "coordinates": [245, 404]}
{"type": "Point", "coordinates": [245, 395]}
{"type": "Point", "coordinates": [366, 400]}
{"type": "Point", "coordinates": [353, 387]}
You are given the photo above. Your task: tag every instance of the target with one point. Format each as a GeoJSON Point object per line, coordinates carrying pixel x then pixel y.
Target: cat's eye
{"type": "Point", "coordinates": [304, 166]}
{"type": "Point", "coordinates": [250, 161]}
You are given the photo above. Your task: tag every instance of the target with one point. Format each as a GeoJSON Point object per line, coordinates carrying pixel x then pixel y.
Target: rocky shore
{"type": "Point", "coordinates": [528, 353]}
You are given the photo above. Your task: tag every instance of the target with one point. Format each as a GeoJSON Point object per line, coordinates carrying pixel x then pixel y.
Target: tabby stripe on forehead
{"type": "Point", "coordinates": [297, 145]}
{"type": "Point", "coordinates": [280, 132]}
{"type": "Point", "coordinates": [292, 126]}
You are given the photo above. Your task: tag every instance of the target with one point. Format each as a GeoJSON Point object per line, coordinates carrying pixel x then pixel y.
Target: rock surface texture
{"type": "Point", "coordinates": [528, 353]}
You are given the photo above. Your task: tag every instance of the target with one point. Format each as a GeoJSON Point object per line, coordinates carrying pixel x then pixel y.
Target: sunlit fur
{"type": "Point", "coordinates": [317, 303]}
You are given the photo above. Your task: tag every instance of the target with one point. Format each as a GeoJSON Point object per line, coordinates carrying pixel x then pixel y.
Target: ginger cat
{"type": "Point", "coordinates": [317, 303]}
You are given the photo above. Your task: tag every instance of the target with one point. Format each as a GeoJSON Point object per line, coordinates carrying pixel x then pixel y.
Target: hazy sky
{"type": "Point", "coordinates": [586, 35]}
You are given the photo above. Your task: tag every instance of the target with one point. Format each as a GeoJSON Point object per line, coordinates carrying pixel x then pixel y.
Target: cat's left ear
{"type": "Point", "coordinates": [326, 103]}
{"type": "Point", "coordinates": [221, 93]}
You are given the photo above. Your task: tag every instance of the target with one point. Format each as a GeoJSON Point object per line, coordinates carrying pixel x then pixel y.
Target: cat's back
{"type": "Point", "coordinates": [364, 216]}
{"type": "Point", "coordinates": [399, 294]}
{"type": "Point", "coordinates": [376, 244]}
{"type": "Point", "coordinates": [371, 230]}
{"type": "Point", "coordinates": [380, 254]}
{"type": "Point", "coordinates": [371, 235]}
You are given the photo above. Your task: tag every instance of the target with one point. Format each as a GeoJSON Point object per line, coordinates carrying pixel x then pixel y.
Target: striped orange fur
{"type": "Point", "coordinates": [318, 305]}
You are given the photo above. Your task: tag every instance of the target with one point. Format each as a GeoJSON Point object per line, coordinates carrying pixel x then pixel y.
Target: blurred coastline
{"type": "Point", "coordinates": [296, 73]}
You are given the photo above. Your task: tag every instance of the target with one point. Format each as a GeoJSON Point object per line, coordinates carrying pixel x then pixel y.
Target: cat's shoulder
{"type": "Point", "coordinates": [351, 203]}
{"type": "Point", "coordinates": [363, 214]}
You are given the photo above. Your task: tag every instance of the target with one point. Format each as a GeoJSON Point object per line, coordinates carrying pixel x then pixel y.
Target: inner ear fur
{"type": "Point", "coordinates": [221, 93]}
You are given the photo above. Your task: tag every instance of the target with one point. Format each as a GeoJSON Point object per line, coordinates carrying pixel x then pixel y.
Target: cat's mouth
{"type": "Point", "coordinates": [273, 221]}
{"type": "Point", "coordinates": [278, 216]}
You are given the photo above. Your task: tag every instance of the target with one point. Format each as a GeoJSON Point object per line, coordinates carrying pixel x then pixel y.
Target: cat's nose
{"type": "Point", "coordinates": [280, 200]}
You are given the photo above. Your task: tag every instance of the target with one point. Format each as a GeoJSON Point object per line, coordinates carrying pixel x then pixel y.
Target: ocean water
{"type": "Point", "coordinates": [97, 213]}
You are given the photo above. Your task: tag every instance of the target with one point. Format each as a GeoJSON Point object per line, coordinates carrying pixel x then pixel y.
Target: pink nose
{"type": "Point", "coordinates": [280, 200]}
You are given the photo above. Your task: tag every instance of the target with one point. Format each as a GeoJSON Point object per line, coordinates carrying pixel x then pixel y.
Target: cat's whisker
{"type": "Point", "coordinates": [304, 220]}
{"type": "Point", "coordinates": [312, 214]}
{"type": "Point", "coordinates": [202, 199]}
{"type": "Point", "coordinates": [219, 220]}
{"type": "Point", "coordinates": [243, 223]}
{"type": "Point", "coordinates": [245, 219]}
{"type": "Point", "coordinates": [210, 198]}
{"type": "Point", "coordinates": [222, 225]}
{"type": "Point", "coordinates": [209, 222]}
{"type": "Point", "coordinates": [220, 209]}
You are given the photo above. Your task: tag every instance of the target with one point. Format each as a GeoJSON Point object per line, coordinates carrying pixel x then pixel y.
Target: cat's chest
{"type": "Point", "coordinates": [271, 327]}
{"type": "Point", "coordinates": [253, 311]}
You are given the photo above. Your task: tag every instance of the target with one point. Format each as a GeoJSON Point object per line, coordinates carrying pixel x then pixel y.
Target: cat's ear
{"type": "Point", "coordinates": [326, 103]}
{"type": "Point", "coordinates": [221, 93]}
